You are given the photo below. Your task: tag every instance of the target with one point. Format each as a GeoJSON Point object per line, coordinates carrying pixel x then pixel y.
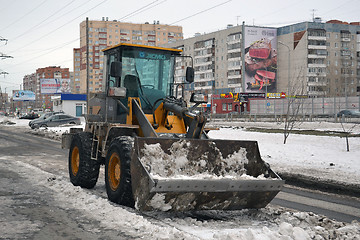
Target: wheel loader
{"type": "Point", "coordinates": [154, 145]}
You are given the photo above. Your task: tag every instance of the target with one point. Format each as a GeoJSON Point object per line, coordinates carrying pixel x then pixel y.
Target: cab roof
{"type": "Point", "coordinates": [142, 46]}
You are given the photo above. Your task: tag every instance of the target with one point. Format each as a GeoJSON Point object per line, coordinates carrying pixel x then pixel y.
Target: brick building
{"type": "Point", "coordinates": [32, 82]}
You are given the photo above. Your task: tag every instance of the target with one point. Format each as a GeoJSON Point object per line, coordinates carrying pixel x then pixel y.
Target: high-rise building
{"type": "Point", "coordinates": [217, 60]}
{"type": "Point", "coordinates": [103, 34]}
{"type": "Point", "coordinates": [324, 58]}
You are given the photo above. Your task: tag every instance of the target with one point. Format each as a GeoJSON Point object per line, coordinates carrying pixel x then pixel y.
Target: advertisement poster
{"type": "Point", "coordinates": [260, 59]}
{"type": "Point", "coordinates": [24, 96]}
{"type": "Point", "coordinates": [54, 85]}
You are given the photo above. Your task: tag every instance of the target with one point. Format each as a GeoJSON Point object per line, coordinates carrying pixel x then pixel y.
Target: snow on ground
{"type": "Point", "coordinates": [321, 157]}
{"type": "Point", "coordinates": [268, 223]}
{"type": "Point", "coordinates": [324, 157]}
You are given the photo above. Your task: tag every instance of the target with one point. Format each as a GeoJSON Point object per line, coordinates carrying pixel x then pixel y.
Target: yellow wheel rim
{"type": "Point", "coordinates": [114, 171]}
{"type": "Point", "coordinates": [75, 160]}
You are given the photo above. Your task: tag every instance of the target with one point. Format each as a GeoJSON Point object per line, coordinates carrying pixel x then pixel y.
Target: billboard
{"type": "Point", "coordinates": [260, 59]}
{"type": "Point", "coordinates": [54, 85]}
{"type": "Point", "coordinates": [24, 96]}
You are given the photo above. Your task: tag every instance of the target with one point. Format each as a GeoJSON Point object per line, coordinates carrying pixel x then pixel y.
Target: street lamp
{"type": "Point", "coordinates": [288, 86]}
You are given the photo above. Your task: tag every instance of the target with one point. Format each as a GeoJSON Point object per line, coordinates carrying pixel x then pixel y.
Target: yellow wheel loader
{"type": "Point", "coordinates": [155, 148]}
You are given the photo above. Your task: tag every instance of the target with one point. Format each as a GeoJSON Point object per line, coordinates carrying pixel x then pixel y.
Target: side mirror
{"type": "Point", "coordinates": [190, 74]}
{"type": "Point", "coordinates": [115, 69]}
{"type": "Point", "coordinates": [198, 98]}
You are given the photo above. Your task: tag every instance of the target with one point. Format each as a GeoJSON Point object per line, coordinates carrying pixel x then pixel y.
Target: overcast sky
{"type": "Point", "coordinates": [42, 33]}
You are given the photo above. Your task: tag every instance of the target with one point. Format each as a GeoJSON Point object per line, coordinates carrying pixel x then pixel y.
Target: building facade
{"type": "Point", "coordinates": [103, 34]}
{"type": "Point", "coordinates": [216, 59]}
{"type": "Point", "coordinates": [313, 58]}
{"type": "Point", "coordinates": [324, 58]}
{"type": "Point", "coordinates": [31, 82]}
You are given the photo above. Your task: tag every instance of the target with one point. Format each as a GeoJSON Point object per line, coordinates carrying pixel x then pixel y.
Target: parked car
{"type": "Point", "coordinates": [56, 120]}
{"type": "Point", "coordinates": [348, 113]}
{"type": "Point", "coordinates": [31, 115]}
{"type": "Point", "coordinates": [43, 117]}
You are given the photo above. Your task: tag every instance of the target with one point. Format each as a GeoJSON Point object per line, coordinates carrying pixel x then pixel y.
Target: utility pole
{"type": "Point", "coordinates": [3, 56]}
{"type": "Point", "coordinates": [87, 65]}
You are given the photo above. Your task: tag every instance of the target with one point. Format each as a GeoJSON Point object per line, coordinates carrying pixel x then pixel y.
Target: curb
{"type": "Point", "coordinates": [321, 184]}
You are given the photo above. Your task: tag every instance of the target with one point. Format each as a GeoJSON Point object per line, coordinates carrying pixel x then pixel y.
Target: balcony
{"type": "Point", "coordinates": [317, 65]}
{"type": "Point", "coordinates": [321, 47]}
{"type": "Point", "coordinates": [346, 39]}
{"type": "Point", "coordinates": [234, 85]}
{"type": "Point", "coordinates": [313, 74]}
{"type": "Point", "coordinates": [233, 50]}
{"type": "Point", "coordinates": [204, 80]}
{"type": "Point", "coordinates": [316, 56]}
{"type": "Point", "coordinates": [321, 38]}
{"type": "Point", "coordinates": [320, 83]}
{"type": "Point", "coordinates": [203, 88]}
{"type": "Point", "coordinates": [317, 93]}
{"type": "Point", "coordinates": [234, 67]}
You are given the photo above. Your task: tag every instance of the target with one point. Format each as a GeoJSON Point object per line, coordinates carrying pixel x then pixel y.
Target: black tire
{"type": "Point", "coordinates": [83, 171]}
{"type": "Point", "coordinates": [117, 172]}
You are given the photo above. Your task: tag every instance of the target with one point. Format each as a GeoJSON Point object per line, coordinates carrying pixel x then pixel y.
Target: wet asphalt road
{"type": "Point", "coordinates": [29, 211]}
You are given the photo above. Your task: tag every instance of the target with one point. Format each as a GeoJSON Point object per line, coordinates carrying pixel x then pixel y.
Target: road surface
{"type": "Point", "coordinates": [30, 210]}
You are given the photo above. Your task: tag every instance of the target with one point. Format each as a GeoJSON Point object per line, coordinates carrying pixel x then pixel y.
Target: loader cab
{"type": "Point", "coordinates": [139, 71]}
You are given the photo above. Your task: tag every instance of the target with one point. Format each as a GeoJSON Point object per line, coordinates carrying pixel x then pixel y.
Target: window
{"type": "Point", "coordinates": [155, 69]}
{"type": "Point", "coordinates": [224, 106]}
{"type": "Point", "coordinates": [229, 106]}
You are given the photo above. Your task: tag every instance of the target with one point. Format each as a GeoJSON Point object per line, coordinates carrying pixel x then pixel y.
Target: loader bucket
{"type": "Point", "coordinates": [196, 174]}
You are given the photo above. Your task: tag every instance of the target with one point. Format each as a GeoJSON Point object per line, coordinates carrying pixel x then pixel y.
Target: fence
{"type": "Point", "coordinates": [308, 106]}
{"type": "Point", "coordinates": [310, 109]}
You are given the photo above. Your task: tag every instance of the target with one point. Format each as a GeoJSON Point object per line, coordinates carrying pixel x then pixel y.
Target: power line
{"type": "Point", "coordinates": [142, 9]}
{"type": "Point", "coordinates": [42, 21]}
{"type": "Point", "coordinates": [60, 26]}
{"type": "Point", "coordinates": [66, 13]}
{"type": "Point", "coordinates": [200, 12]}
{"type": "Point", "coordinates": [280, 9]}
{"type": "Point", "coordinates": [50, 51]}
{"type": "Point", "coordinates": [18, 19]}
{"type": "Point", "coordinates": [337, 8]}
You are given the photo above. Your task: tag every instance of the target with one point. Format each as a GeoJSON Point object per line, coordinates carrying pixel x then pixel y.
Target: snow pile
{"type": "Point", "coordinates": [178, 164]}
{"type": "Point", "coordinates": [6, 121]}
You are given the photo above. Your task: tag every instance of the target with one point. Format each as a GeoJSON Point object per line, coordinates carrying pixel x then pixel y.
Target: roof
{"type": "Point", "coordinates": [80, 97]}
{"type": "Point", "coordinates": [142, 46]}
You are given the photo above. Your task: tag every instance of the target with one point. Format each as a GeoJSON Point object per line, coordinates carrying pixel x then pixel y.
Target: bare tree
{"type": "Point", "coordinates": [295, 103]}
{"type": "Point", "coordinates": [346, 127]}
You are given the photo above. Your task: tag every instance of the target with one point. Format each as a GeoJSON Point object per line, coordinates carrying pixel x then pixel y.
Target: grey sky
{"type": "Point", "coordinates": [42, 33]}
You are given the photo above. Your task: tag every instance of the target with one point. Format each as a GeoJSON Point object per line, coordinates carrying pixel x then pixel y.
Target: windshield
{"type": "Point", "coordinates": [153, 68]}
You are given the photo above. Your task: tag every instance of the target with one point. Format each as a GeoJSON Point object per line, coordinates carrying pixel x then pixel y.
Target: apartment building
{"type": "Point", "coordinates": [312, 58]}
{"type": "Point", "coordinates": [324, 58]}
{"type": "Point", "coordinates": [216, 59]}
{"type": "Point", "coordinates": [32, 82]}
{"type": "Point", "coordinates": [105, 33]}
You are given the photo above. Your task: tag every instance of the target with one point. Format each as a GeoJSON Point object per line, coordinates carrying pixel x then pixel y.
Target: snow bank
{"type": "Point", "coordinates": [318, 157]}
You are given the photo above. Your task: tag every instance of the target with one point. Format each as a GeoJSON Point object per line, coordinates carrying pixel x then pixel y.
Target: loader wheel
{"type": "Point", "coordinates": [83, 171]}
{"type": "Point", "coordinates": [117, 172]}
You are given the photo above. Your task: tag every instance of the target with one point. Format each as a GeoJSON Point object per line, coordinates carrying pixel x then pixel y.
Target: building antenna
{"type": "Point", "coordinates": [237, 20]}
{"type": "Point", "coordinates": [313, 14]}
